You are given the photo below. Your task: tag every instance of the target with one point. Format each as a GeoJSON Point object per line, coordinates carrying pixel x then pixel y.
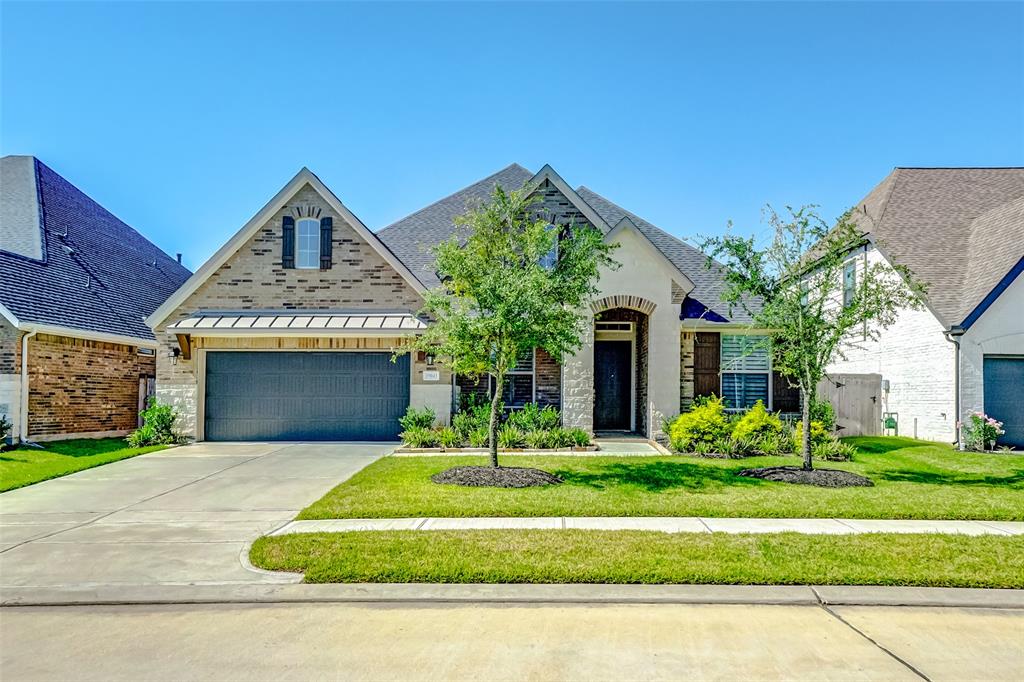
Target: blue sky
{"type": "Point", "coordinates": [184, 118]}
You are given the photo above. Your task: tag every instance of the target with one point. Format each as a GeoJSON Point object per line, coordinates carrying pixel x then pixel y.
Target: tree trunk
{"type": "Point", "coordinates": [499, 385]}
{"type": "Point", "coordinates": [805, 445]}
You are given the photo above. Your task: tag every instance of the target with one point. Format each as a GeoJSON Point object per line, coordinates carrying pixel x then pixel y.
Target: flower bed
{"type": "Point", "coordinates": [530, 429]}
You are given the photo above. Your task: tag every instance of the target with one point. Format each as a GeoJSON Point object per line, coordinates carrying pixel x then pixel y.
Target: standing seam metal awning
{"type": "Point", "coordinates": [242, 324]}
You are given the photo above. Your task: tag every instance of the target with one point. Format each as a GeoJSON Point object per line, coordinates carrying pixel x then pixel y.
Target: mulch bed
{"type": "Point", "coordinates": [824, 478]}
{"type": "Point", "coordinates": [500, 477]}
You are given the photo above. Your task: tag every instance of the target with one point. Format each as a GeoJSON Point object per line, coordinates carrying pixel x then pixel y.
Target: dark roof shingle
{"type": "Point", "coordinates": [98, 274]}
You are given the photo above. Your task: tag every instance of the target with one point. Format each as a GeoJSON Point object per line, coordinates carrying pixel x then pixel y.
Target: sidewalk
{"type": "Point", "coordinates": [665, 524]}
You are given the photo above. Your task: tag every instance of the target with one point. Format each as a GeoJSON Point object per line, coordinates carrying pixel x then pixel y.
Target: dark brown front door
{"type": "Point", "coordinates": [612, 382]}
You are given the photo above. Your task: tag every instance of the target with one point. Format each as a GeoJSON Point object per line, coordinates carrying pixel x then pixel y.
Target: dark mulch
{"type": "Point", "coordinates": [500, 477]}
{"type": "Point", "coordinates": [825, 478]}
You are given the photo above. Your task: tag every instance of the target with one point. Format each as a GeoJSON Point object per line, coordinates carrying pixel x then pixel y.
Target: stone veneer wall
{"type": "Point", "coordinates": [254, 279]}
{"type": "Point", "coordinates": [686, 386]}
{"type": "Point", "coordinates": [80, 386]}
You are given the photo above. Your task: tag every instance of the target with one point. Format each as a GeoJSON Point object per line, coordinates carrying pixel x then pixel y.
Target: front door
{"type": "Point", "coordinates": [613, 401]}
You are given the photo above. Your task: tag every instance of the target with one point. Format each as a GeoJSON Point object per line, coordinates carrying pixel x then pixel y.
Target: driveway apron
{"type": "Point", "coordinates": [182, 515]}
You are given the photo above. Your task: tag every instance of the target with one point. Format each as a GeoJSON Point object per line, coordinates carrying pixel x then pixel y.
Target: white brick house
{"type": "Point", "coordinates": [960, 231]}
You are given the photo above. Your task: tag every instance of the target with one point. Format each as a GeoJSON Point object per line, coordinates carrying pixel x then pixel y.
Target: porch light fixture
{"type": "Point", "coordinates": [430, 358]}
{"type": "Point", "coordinates": [173, 354]}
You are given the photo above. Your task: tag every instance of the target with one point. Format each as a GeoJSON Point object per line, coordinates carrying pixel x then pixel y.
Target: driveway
{"type": "Point", "coordinates": [182, 515]}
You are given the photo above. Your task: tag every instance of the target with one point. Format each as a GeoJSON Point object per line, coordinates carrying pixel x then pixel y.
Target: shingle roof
{"type": "Point", "coordinates": [959, 230]}
{"type": "Point", "coordinates": [412, 237]}
{"type": "Point", "coordinates": [97, 273]}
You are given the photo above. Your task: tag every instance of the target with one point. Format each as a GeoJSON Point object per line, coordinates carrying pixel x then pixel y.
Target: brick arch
{"type": "Point", "coordinates": [637, 303]}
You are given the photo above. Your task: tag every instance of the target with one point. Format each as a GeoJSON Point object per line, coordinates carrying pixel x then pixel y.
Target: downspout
{"type": "Point", "coordinates": [953, 335]}
{"type": "Point", "coordinates": [23, 426]}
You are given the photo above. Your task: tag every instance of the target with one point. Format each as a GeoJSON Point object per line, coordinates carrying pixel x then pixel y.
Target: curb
{"type": "Point", "coordinates": [453, 594]}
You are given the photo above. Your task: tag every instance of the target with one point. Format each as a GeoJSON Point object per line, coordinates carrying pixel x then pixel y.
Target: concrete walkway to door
{"type": "Point", "coordinates": [179, 516]}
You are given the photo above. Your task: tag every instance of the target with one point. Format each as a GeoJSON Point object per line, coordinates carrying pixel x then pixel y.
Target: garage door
{"type": "Point", "coordinates": [305, 396]}
{"type": "Point", "coordinates": [1004, 396]}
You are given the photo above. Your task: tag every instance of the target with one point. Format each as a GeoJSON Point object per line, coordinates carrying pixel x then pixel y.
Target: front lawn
{"type": "Point", "coordinates": [584, 556]}
{"type": "Point", "coordinates": [26, 465]}
{"type": "Point", "coordinates": [913, 480]}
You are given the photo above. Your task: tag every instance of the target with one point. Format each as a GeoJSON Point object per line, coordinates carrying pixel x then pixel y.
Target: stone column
{"type": "Point", "coordinates": [578, 384]}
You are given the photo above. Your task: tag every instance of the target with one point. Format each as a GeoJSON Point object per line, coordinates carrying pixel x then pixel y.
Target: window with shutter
{"type": "Point", "coordinates": [288, 242]}
{"type": "Point", "coordinates": [745, 369]}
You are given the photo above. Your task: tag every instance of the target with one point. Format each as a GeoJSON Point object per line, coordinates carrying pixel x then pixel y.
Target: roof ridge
{"type": "Point", "coordinates": [958, 167]}
{"type": "Point", "coordinates": [453, 194]}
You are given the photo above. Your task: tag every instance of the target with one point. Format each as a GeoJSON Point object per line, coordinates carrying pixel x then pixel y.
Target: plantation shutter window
{"type": "Point", "coordinates": [520, 382]}
{"type": "Point", "coordinates": [288, 242]}
{"type": "Point", "coordinates": [326, 239]}
{"type": "Point", "coordinates": [746, 366]}
{"type": "Point", "coordinates": [307, 243]}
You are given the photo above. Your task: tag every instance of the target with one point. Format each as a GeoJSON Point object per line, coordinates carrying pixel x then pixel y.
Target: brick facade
{"type": "Point", "coordinates": [80, 386]}
{"type": "Point", "coordinates": [253, 278]}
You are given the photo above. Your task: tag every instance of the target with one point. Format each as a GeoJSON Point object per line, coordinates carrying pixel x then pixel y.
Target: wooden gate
{"type": "Point", "coordinates": [857, 401]}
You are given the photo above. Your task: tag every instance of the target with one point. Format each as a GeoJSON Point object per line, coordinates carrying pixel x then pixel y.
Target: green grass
{"type": "Point", "coordinates": [913, 480]}
{"type": "Point", "coordinates": [26, 466]}
{"type": "Point", "coordinates": [583, 556]}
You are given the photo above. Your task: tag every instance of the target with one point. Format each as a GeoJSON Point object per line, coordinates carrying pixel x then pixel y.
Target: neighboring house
{"type": "Point", "coordinates": [961, 232]}
{"type": "Point", "coordinates": [286, 332]}
{"type": "Point", "coordinates": [76, 283]}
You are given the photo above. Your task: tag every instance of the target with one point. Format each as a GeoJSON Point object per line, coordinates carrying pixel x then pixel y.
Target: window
{"type": "Point", "coordinates": [745, 370]}
{"type": "Point", "coordinates": [307, 244]}
{"type": "Point", "coordinates": [549, 260]}
{"type": "Point", "coordinates": [519, 383]}
{"type": "Point", "coordinates": [849, 283]}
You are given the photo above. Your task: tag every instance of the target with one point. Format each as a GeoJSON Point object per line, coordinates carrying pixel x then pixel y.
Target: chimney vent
{"type": "Point", "coordinates": [179, 259]}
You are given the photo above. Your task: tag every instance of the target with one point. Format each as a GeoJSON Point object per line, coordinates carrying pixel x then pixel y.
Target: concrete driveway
{"type": "Point", "coordinates": [182, 515]}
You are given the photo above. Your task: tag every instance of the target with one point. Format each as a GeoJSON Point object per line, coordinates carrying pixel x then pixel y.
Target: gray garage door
{"type": "Point", "coordinates": [1004, 396]}
{"type": "Point", "coordinates": [305, 396]}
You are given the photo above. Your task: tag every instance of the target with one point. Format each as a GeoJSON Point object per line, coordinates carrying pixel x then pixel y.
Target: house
{"type": "Point", "coordinates": [961, 232]}
{"type": "Point", "coordinates": [286, 332]}
{"type": "Point", "coordinates": [76, 283]}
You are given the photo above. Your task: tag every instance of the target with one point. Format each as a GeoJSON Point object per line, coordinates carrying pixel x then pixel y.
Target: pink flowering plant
{"type": "Point", "coordinates": [980, 431]}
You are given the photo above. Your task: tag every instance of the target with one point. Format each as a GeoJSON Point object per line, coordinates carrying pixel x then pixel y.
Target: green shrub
{"type": "Point", "coordinates": [734, 447]}
{"type": "Point", "coordinates": [419, 437]}
{"type": "Point", "coordinates": [479, 437]}
{"type": "Point", "coordinates": [537, 439]}
{"type": "Point", "coordinates": [580, 438]}
{"type": "Point", "coordinates": [821, 411]}
{"type": "Point", "coordinates": [775, 444]}
{"type": "Point", "coordinates": [5, 427]}
{"type": "Point", "coordinates": [447, 437]}
{"type": "Point", "coordinates": [703, 426]}
{"type": "Point", "coordinates": [510, 437]}
{"type": "Point", "coordinates": [533, 418]}
{"type": "Point", "coordinates": [833, 450]}
{"type": "Point", "coordinates": [756, 424]}
{"type": "Point", "coordinates": [417, 418]}
{"type": "Point", "coordinates": [560, 438]}
{"type": "Point", "coordinates": [818, 435]}
{"type": "Point", "coordinates": [157, 426]}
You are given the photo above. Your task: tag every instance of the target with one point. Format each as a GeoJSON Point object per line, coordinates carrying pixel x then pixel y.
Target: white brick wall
{"type": "Point", "coordinates": [917, 360]}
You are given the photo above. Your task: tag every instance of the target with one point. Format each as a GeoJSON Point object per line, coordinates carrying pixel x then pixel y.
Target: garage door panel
{"type": "Point", "coordinates": [304, 395]}
{"type": "Point", "coordinates": [1004, 396]}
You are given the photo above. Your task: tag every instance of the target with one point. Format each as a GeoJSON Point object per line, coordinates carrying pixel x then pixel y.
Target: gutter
{"type": "Point", "coordinates": [23, 425]}
{"type": "Point", "coordinates": [953, 335]}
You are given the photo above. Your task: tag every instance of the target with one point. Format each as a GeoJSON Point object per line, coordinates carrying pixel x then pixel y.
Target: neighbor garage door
{"type": "Point", "coordinates": [1004, 396]}
{"type": "Point", "coordinates": [304, 396]}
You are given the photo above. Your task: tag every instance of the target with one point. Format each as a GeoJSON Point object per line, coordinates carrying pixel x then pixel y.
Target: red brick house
{"type": "Point", "coordinates": [76, 358]}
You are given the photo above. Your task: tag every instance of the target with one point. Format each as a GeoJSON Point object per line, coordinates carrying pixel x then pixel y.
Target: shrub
{"type": "Point", "coordinates": [580, 438]}
{"type": "Point", "coordinates": [734, 447]}
{"type": "Point", "coordinates": [510, 437]}
{"type": "Point", "coordinates": [560, 438]}
{"type": "Point", "coordinates": [703, 426]}
{"type": "Point", "coordinates": [818, 435]}
{"type": "Point", "coordinates": [821, 410]}
{"type": "Point", "coordinates": [479, 437]}
{"type": "Point", "coordinates": [981, 431]}
{"type": "Point", "coordinates": [756, 424]}
{"type": "Point", "coordinates": [775, 444]}
{"type": "Point", "coordinates": [447, 437]}
{"type": "Point", "coordinates": [533, 418]}
{"type": "Point", "coordinates": [419, 437]}
{"type": "Point", "coordinates": [157, 426]}
{"type": "Point", "coordinates": [833, 450]}
{"type": "Point", "coordinates": [5, 427]}
{"type": "Point", "coordinates": [417, 418]}
{"type": "Point", "coordinates": [537, 439]}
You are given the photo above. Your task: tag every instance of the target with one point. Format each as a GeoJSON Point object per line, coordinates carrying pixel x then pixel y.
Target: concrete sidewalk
{"type": "Point", "coordinates": [665, 524]}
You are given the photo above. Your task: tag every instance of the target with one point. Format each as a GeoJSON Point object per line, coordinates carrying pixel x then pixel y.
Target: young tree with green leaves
{"type": "Point", "coordinates": [800, 290]}
{"type": "Point", "coordinates": [511, 282]}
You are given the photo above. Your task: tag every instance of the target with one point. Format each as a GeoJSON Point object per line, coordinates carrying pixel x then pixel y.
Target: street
{"type": "Point", "coordinates": [509, 642]}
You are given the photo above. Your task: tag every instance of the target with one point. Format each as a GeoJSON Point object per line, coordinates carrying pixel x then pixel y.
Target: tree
{"type": "Point", "coordinates": [799, 289]}
{"type": "Point", "coordinates": [511, 282]}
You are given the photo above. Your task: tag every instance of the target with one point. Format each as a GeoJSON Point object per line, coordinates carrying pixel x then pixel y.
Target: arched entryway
{"type": "Point", "coordinates": [621, 325]}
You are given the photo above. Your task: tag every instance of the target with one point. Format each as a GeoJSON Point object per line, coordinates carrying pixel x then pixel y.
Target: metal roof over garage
{"type": "Point", "coordinates": [319, 323]}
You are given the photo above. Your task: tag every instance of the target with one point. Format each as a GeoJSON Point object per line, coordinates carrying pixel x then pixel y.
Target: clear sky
{"type": "Point", "coordinates": [184, 118]}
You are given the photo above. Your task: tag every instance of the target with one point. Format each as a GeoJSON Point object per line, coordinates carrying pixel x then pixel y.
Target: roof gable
{"type": "Point", "coordinates": [96, 274]}
{"type": "Point", "coordinates": [303, 178]}
{"type": "Point", "coordinates": [678, 276]}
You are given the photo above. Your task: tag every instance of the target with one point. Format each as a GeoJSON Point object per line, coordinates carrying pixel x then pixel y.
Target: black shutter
{"type": "Point", "coordinates": [287, 242]}
{"type": "Point", "coordinates": [326, 232]}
